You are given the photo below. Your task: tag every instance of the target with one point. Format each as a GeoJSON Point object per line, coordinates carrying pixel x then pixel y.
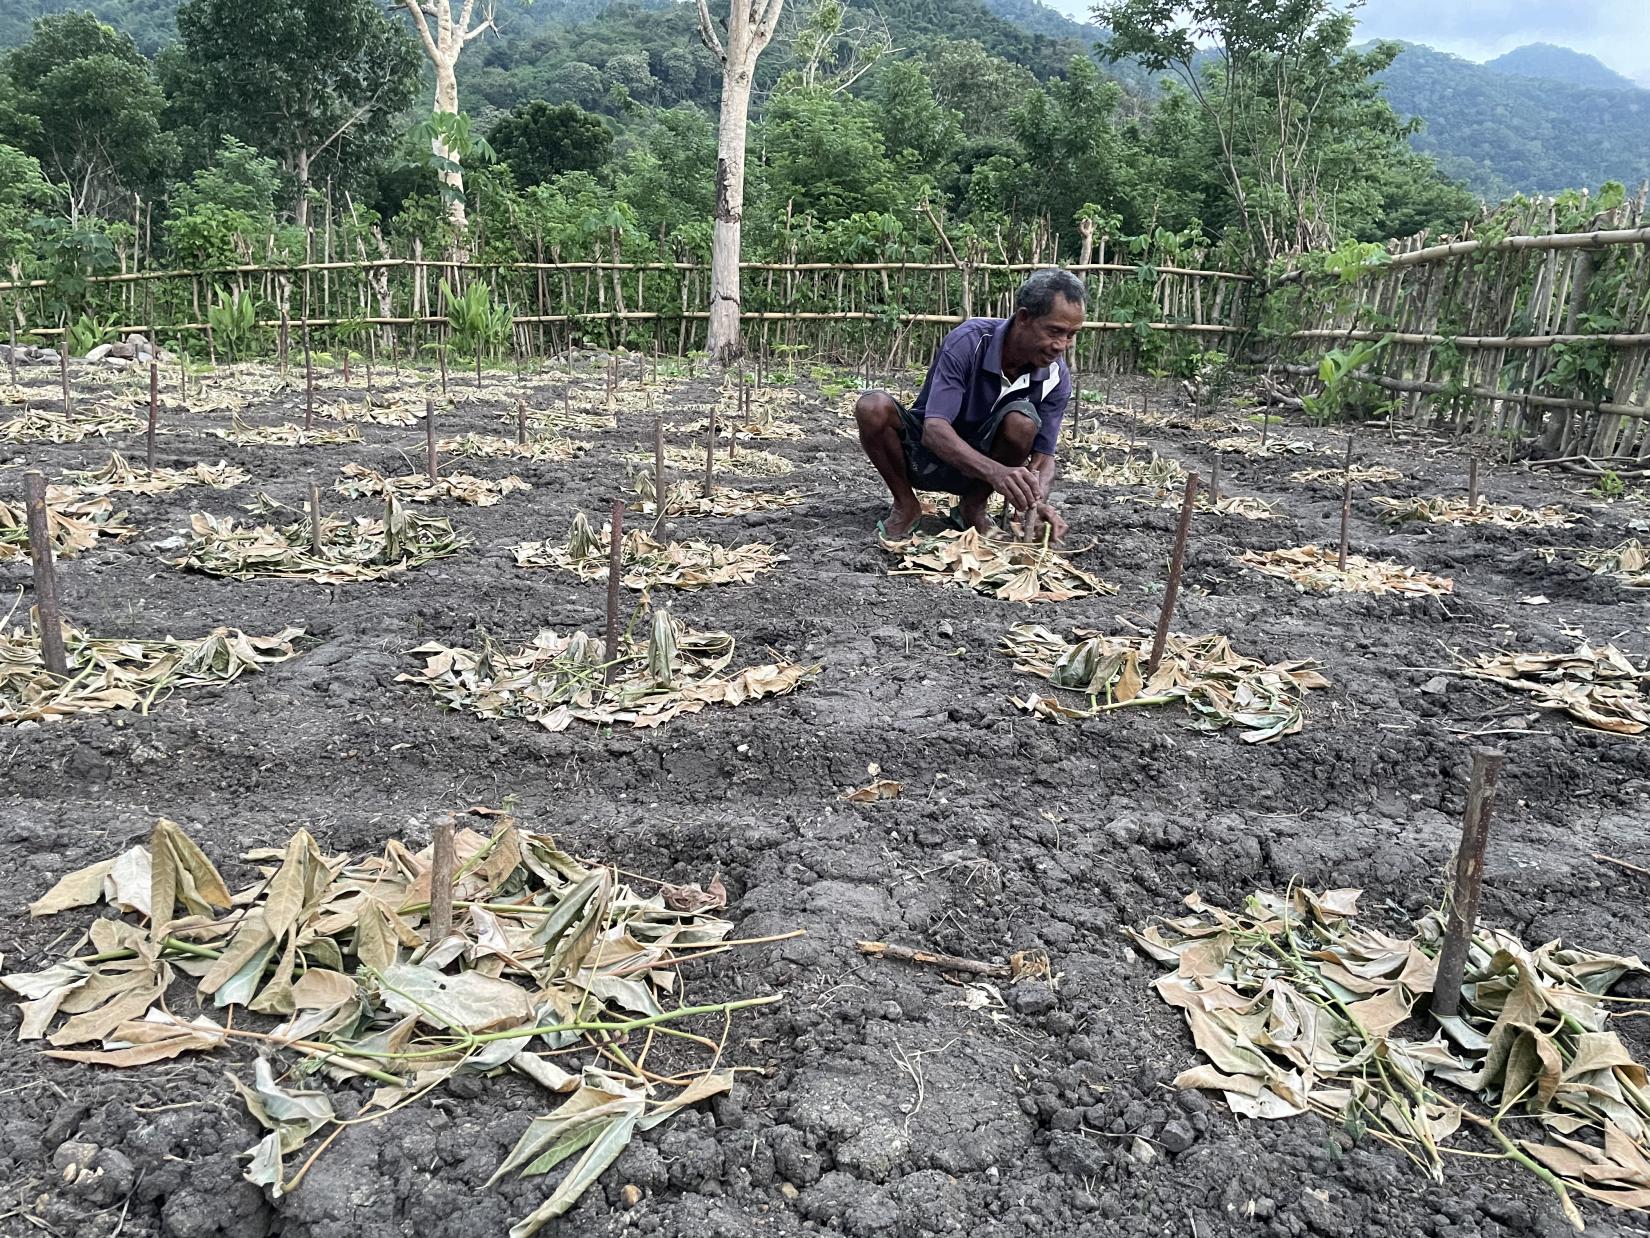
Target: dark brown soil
{"type": "Point", "coordinates": [1011, 833]}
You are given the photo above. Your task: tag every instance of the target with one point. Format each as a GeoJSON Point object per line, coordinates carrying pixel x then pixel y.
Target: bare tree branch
{"type": "Point", "coordinates": [707, 32]}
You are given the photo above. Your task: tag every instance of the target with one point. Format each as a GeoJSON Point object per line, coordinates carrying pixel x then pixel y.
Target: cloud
{"type": "Point", "coordinates": [1616, 31]}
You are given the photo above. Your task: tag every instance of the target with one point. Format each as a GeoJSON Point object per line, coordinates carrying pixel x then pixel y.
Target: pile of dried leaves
{"type": "Point", "coordinates": [372, 412]}
{"type": "Point", "coordinates": [76, 522]}
{"type": "Point", "coordinates": [1251, 446]}
{"type": "Point", "coordinates": [1459, 511]}
{"type": "Point", "coordinates": [1599, 688]}
{"type": "Point", "coordinates": [492, 447]}
{"type": "Point", "coordinates": [1219, 685]}
{"type": "Point", "coordinates": [688, 498]}
{"type": "Point", "coordinates": [564, 419]}
{"type": "Point", "coordinates": [1244, 506]}
{"type": "Point", "coordinates": [743, 463]}
{"type": "Point", "coordinates": [1152, 470]}
{"type": "Point", "coordinates": [1628, 562]}
{"type": "Point", "coordinates": [547, 956]}
{"type": "Point", "coordinates": [557, 679]}
{"type": "Point", "coordinates": [118, 476]}
{"type": "Point", "coordinates": [996, 566]}
{"type": "Point", "coordinates": [360, 482]}
{"type": "Point", "coordinates": [1091, 437]}
{"type": "Point", "coordinates": [1361, 473]}
{"type": "Point", "coordinates": [111, 673]}
{"type": "Point", "coordinates": [1297, 1007]}
{"type": "Point", "coordinates": [42, 425]}
{"type": "Point", "coordinates": [364, 548]}
{"type": "Point", "coordinates": [287, 435]}
{"type": "Point", "coordinates": [1314, 569]}
{"type": "Point", "coordinates": [648, 563]}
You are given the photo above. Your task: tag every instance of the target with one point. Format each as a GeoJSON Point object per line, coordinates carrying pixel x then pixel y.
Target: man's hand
{"type": "Point", "coordinates": [1020, 486]}
{"type": "Point", "coordinates": [1039, 515]}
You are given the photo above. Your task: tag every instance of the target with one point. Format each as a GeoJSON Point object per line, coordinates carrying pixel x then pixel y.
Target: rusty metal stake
{"type": "Point", "coordinates": [615, 567]}
{"type": "Point", "coordinates": [154, 412]}
{"type": "Point", "coordinates": [48, 618]}
{"type": "Point", "coordinates": [1346, 504]}
{"type": "Point", "coordinates": [309, 383]}
{"type": "Point", "coordinates": [659, 490]}
{"type": "Point", "coordinates": [1467, 882]}
{"type": "Point", "coordinates": [1176, 561]}
{"type": "Point", "coordinates": [710, 455]}
{"type": "Point", "coordinates": [429, 439]}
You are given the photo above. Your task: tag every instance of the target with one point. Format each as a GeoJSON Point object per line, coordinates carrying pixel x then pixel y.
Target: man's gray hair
{"type": "Point", "coordinates": [1037, 294]}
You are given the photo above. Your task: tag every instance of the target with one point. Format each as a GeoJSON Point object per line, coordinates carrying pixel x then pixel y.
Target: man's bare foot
{"type": "Point", "coordinates": [973, 516]}
{"type": "Point", "coordinates": [899, 522]}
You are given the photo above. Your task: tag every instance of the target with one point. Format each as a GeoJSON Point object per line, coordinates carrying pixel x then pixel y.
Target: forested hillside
{"type": "Point", "coordinates": [1559, 64]}
{"type": "Point", "coordinates": [1502, 132]}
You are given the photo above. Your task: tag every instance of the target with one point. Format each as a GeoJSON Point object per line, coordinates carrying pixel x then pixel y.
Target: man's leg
{"type": "Point", "coordinates": [880, 435]}
{"type": "Point", "coordinates": [1012, 447]}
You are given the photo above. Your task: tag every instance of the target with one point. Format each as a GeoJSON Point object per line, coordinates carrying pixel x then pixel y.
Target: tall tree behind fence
{"type": "Point", "coordinates": [1535, 328]}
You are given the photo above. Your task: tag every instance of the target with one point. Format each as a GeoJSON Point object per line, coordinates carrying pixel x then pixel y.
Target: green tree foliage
{"type": "Point", "coordinates": [315, 83]}
{"type": "Point", "coordinates": [824, 156]}
{"type": "Point", "coordinates": [541, 140]}
{"type": "Point", "coordinates": [83, 101]}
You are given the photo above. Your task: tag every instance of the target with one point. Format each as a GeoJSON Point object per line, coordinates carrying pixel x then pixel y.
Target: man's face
{"type": "Point", "coordinates": [1049, 336]}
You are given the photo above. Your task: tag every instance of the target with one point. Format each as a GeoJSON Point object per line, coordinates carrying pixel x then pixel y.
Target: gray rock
{"type": "Point", "coordinates": [97, 354]}
{"type": "Point", "coordinates": [1177, 1136]}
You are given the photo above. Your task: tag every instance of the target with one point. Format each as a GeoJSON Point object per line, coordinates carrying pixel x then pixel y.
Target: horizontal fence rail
{"type": "Point", "coordinates": [1531, 332]}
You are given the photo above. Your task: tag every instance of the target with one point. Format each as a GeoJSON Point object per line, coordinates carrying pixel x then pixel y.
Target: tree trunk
{"type": "Point", "coordinates": [723, 340]}
{"type": "Point", "coordinates": [446, 100]}
{"type": "Point", "coordinates": [300, 173]}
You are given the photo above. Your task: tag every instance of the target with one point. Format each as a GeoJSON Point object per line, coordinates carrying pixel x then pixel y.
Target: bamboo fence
{"type": "Point", "coordinates": [892, 313]}
{"type": "Point", "coordinates": [1537, 329]}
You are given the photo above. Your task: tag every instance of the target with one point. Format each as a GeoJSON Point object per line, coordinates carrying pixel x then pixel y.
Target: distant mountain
{"type": "Point", "coordinates": [1559, 64]}
{"type": "Point", "coordinates": [1503, 133]}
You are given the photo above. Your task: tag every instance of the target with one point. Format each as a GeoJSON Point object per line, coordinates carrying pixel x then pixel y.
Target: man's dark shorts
{"type": "Point", "coordinates": [927, 471]}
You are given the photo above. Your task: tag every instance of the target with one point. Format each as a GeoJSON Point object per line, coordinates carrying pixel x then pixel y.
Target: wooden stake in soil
{"type": "Point", "coordinates": [1214, 486]}
{"type": "Point", "coordinates": [309, 383]}
{"type": "Point", "coordinates": [1467, 882]}
{"type": "Point", "coordinates": [1265, 427]}
{"type": "Point", "coordinates": [315, 518]}
{"type": "Point", "coordinates": [49, 618]}
{"type": "Point", "coordinates": [63, 369]}
{"type": "Point", "coordinates": [660, 500]}
{"type": "Point", "coordinates": [1346, 504]}
{"type": "Point", "coordinates": [1472, 484]}
{"type": "Point", "coordinates": [429, 438]}
{"type": "Point", "coordinates": [443, 862]}
{"type": "Point", "coordinates": [567, 400]}
{"type": "Point", "coordinates": [521, 423]}
{"type": "Point", "coordinates": [615, 556]}
{"type": "Point", "coordinates": [710, 455]}
{"type": "Point", "coordinates": [1176, 561]}
{"type": "Point", "coordinates": [11, 356]}
{"type": "Point", "coordinates": [154, 413]}
{"type": "Point", "coordinates": [442, 352]}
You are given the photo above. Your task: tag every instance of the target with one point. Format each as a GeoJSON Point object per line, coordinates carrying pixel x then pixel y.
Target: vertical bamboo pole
{"type": "Point", "coordinates": [315, 519]}
{"type": "Point", "coordinates": [521, 423]}
{"type": "Point", "coordinates": [443, 862]}
{"type": "Point", "coordinates": [429, 439]}
{"type": "Point", "coordinates": [309, 381]}
{"type": "Point", "coordinates": [710, 455]}
{"type": "Point", "coordinates": [1467, 882]}
{"type": "Point", "coordinates": [1472, 484]}
{"type": "Point", "coordinates": [1177, 561]}
{"type": "Point", "coordinates": [63, 371]}
{"type": "Point", "coordinates": [49, 619]}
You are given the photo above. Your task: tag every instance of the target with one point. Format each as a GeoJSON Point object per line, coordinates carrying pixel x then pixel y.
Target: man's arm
{"type": "Point", "coordinates": [1018, 485]}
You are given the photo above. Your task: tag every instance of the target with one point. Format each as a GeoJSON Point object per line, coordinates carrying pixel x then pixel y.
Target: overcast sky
{"type": "Point", "coordinates": [1616, 31]}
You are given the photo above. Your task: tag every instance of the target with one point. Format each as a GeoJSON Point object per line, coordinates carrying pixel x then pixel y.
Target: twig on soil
{"type": "Point", "coordinates": [1610, 859]}
{"type": "Point", "coordinates": [948, 962]}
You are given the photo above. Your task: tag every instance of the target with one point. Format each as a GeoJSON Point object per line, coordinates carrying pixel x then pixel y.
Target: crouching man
{"type": "Point", "coordinates": [988, 416]}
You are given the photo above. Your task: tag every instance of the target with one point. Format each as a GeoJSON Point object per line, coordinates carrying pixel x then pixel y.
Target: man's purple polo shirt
{"type": "Point", "coordinates": [965, 383]}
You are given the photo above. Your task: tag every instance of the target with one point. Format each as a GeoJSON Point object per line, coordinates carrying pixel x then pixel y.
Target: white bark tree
{"type": "Point", "coordinates": [443, 45]}
{"type": "Point", "coordinates": [750, 27]}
